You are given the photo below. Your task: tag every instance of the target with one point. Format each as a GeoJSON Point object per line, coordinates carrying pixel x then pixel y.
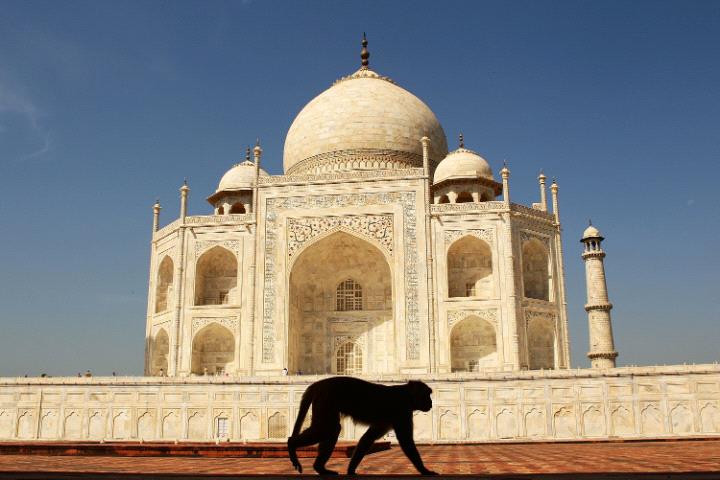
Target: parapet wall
{"type": "Point", "coordinates": [630, 402]}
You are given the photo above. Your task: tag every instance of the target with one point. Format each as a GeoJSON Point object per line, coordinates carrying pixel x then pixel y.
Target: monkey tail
{"type": "Point", "coordinates": [305, 402]}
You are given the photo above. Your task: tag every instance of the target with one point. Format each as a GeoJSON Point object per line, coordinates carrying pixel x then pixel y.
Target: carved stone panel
{"type": "Point", "coordinates": [378, 228]}
{"type": "Point", "coordinates": [231, 323]}
{"type": "Point", "coordinates": [488, 314]}
{"type": "Point", "coordinates": [485, 234]}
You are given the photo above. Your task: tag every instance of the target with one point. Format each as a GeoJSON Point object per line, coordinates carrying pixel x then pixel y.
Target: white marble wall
{"type": "Point", "coordinates": [631, 402]}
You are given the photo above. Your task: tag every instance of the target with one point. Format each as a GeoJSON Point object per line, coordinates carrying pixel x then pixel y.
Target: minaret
{"type": "Point", "coordinates": [543, 193]}
{"type": "Point", "coordinates": [602, 352]}
{"type": "Point", "coordinates": [156, 215]}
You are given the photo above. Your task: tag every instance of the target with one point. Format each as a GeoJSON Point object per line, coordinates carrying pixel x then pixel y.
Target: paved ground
{"type": "Point", "coordinates": [597, 460]}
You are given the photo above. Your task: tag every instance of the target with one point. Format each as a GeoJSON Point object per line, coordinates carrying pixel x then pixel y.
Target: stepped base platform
{"type": "Point", "coordinates": [171, 449]}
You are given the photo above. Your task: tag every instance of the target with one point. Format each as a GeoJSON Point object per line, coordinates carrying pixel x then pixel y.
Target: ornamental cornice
{"type": "Point", "coordinates": [231, 219]}
{"type": "Point", "coordinates": [377, 228]}
{"type": "Point", "coordinates": [598, 306]}
{"type": "Point", "coordinates": [486, 234]}
{"type": "Point", "coordinates": [609, 355]}
{"type": "Point", "coordinates": [487, 314]}
{"type": "Point", "coordinates": [198, 323]}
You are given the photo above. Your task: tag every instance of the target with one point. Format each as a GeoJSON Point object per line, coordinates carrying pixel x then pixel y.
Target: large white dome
{"type": "Point", "coordinates": [363, 121]}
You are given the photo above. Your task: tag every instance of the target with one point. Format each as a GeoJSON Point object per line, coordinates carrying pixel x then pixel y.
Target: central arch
{"type": "Point", "coordinates": [340, 289]}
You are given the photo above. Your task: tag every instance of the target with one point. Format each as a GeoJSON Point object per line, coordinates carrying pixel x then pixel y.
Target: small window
{"type": "Point", "coordinates": [444, 199]}
{"type": "Point", "coordinates": [223, 427]}
{"type": "Point", "coordinates": [470, 290]}
{"type": "Point", "coordinates": [221, 210]}
{"type": "Point", "coordinates": [473, 366]}
{"type": "Point", "coordinates": [349, 296]}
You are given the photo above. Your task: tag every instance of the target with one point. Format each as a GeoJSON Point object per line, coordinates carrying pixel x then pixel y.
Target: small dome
{"type": "Point", "coordinates": [591, 232]}
{"type": "Point", "coordinates": [462, 164]}
{"type": "Point", "coordinates": [240, 176]}
{"type": "Point", "coordinates": [363, 119]}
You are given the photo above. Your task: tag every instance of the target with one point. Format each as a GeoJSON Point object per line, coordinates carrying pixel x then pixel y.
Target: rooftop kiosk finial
{"type": "Point", "coordinates": [462, 140]}
{"type": "Point", "coordinates": [364, 54]}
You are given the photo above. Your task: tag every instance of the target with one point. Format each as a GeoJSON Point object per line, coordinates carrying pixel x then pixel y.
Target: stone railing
{"type": "Point", "coordinates": [532, 212]}
{"type": "Point", "coordinates": [233, 219]}
{"type": "Point", "coordinates": [331, 177]}
{"type": "Point", "coordinates": [468, 207]}
{"type": "Point", "coordinates": [170, 227]}
{"type": "Point", "coordinates": [205, 220]}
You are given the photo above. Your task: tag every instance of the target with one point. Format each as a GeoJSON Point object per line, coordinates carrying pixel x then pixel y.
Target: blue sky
{"type": "Point", "coordinates": [105, 106]}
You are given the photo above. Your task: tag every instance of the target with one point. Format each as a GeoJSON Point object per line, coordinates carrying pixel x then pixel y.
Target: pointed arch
{"type": "Point", "coordinates": [469, 268]}
{"type": "Point", "coordinates": [473, 345]}
{"type": "Point", "coordinates": [536, 270]}
{"type": "Point", "coordinates": [164, 284]}
{"type": "Point", "coordinates": [319, 311]}
{"type": "Point", "coordinates": [213, 350]}
{"type": "Point", "coordinates": [216, 277]}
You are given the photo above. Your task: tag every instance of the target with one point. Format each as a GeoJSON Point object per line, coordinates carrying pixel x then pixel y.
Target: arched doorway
{"type": "Point", "coordinates": [216, 277]}
{"type": "Point", "coordinates": [473, 345]}
{"type": "Point", "coordinates": [340, 289]}
{"type": "Point", "coordinates": [536, 278]}
{"type": "Point", "coordinates": [470, 268]}
{"type": "Point", "coordinates": [159, 350]}
{"type": "Point", "coordinates": [213, 351]}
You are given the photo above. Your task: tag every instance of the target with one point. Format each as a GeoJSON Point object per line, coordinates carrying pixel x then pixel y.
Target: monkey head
{"type": "Point", "coordinates": [420, 395]}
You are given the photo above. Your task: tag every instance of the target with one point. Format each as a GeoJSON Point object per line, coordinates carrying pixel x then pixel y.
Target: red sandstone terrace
{"type": "Point", "coordinates": [668, 459]}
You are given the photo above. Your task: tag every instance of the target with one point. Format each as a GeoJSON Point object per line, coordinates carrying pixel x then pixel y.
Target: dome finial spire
{"type": "Point", "coordinates": [462, 140]}
{"type": "Point", "coordinates": [364, 54]}
{"type": "Point", "coordinates": [247, 153]}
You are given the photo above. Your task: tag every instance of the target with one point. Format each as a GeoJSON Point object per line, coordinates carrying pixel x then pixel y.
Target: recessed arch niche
{"type": "Point", "coordinates": [216, 277]}
{"type": "Point", "coordinates": [213, 350]}
{"type": "Point", "coordinates": [319, 323]}
{"type": "Point", "coordinates": [536, 271]}
{"type": "Point", "coordinates": [473, 345]}
{"type": "Point", "coordinates": [163, 289]}
{"type": "Point", "coordinates": [469, 261]}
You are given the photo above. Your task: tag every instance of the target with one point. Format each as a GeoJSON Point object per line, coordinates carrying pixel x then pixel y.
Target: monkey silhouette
{"type": "Point", "coordinates": [381, 407]}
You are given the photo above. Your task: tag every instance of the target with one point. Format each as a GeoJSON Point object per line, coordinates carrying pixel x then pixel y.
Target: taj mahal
{"type": "Point", "coordinates": [382, 252]}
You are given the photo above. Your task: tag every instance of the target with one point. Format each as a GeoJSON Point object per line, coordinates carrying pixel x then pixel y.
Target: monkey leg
{"type": "Point", "coordinates": [309, 436]}
{"type": "Point", "coordinates": [325, 449]}
{"type": "Point", "coordinates": [364, 444]}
